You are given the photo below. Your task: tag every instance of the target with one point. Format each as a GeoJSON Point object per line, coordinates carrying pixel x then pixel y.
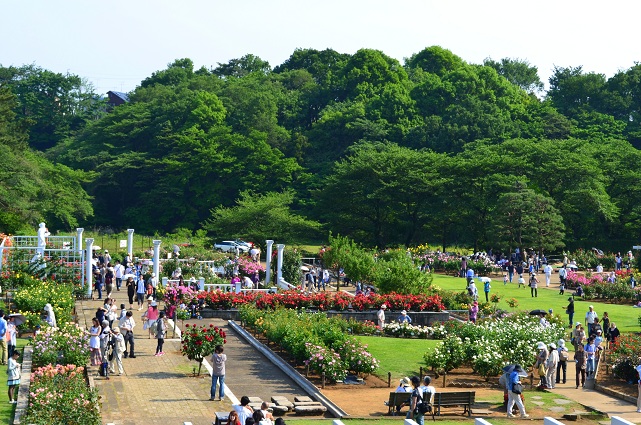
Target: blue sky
{"type": "Point", "coordinates": [115, 44]}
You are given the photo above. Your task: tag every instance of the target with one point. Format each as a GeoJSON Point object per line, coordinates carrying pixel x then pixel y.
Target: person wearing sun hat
{"type": "Point", "coordinates": [551, 365]}
{"type": "Point", "coordinates": [404, 318]}
{"type": "Point", "coordinates": [541, 360]}
{"type": "Point", "coordinates": [381, 316]}
{"type": "Point", "coordinates": [473, 311]}
{"type": "Point", "coordinates": [563, 361]}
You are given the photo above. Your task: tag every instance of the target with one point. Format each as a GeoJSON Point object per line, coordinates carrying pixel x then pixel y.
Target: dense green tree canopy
{"type": "Point", "coordinates": [435, 149]}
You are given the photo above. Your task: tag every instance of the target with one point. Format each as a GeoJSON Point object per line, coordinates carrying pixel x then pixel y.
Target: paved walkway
{"type": "Point", "coordinates": [161, 390]}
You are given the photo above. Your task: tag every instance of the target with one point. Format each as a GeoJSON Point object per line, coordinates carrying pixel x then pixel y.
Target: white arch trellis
{"type": "Point", "coordinates": [63, 249]}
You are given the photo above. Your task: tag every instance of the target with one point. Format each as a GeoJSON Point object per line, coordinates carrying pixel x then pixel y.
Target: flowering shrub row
{"type": "Point", "coordinates": [491, 344]}
{"type": "Point", "coordinates": [406, 330]}
{"type": "Point", "coordinates": [313, 338]}
{"type": "Point", "coordinates": [598, 286]}
{"type": "Point", "coordinates": [625, 356]}
{"type": "Point", "coordinates": [323, 301]}
{"type": "Point", "coordinates": [59, 395]}
{"type": "Point", "coordinates": [67, 344]}
{"type": "Point", "coordinates": [31, 299]}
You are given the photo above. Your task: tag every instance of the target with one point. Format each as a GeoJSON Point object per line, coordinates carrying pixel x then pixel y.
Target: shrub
{"type": "Point", "coordinates": [199, 342]}
{"type": "Point", "coordinates": [323, 360]}
{"type": "Point", "coordinates": [67, 344]}
{"type": "Point", "coordinates": [33, 298]}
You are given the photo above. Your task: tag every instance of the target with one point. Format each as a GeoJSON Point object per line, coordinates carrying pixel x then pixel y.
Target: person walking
{"type": "Point", "coordinates": [131, 291]}
{"type": "Point", "coordinates": [161, 331]}
{"type": "Point", "coordinates": [11, 336]}
{"type": "Point", "coordinates": [94, 341]}
{"type": "Point", "coordinates": [551, 366]}
{"type": "Point", "coordinates": [127, 326]}
{"type": "Point", "coordinates": [150, 316]}
{"type": "Point", "coordinates": [590, 353]}
{"type": "Point", "coordinates": [105, 337]}
{"type": "Point", "coordinates": [580, 361]}
{"type": "Point", "coordinates": [515, 397]}
{"type": "Point", "coordinates": [562, 365]}
{"type": "Point", "coordinates": [541, 361]}
{"type": "Point", "coordinates": [140, 292]}
{"type": "Point", "coordinates": [486, 289]}
{"type": "Point", "coordinates": [381, 316]}
{"type": "Point", "coordinates": [534, 282]}
{"type": "Point", "coordinates": [569, 309]}
{"type": "Point", "coordinates": [415, 399]}
{"type": "Point", "coordinates": [119, 348]}
{"type": "Point", "coordinates": [589, 319]}
{"type": "Point", "coordinates": [638, 368]}
{"type": "Point", "coordinates": [218, 360]}
{"type": "Point", "coordinates": [547, 270]}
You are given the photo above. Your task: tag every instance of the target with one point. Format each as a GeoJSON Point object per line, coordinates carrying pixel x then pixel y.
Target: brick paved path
{"type": "Point", "coordinates": [161, 390]}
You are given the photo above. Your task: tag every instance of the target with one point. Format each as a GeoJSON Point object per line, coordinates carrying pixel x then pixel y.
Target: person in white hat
{"type": "Point", "coordinates": [564, 356]}
{"type": "Point", "coordinates": [404, 318]}
{"type": "Point", "coordinates": [552, 362]}
{"type": "Point", "coordinates": [381, 316]}
{"type": "Point", "coordinates": [541, 361]}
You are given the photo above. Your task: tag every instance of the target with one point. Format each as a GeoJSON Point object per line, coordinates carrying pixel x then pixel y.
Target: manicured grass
{"type": "Point", "coordinates": [6, 409]}
{"type": "Point", "coordinates": [625, 316]}
{"type": "Point", "coordinates": [400, 356]}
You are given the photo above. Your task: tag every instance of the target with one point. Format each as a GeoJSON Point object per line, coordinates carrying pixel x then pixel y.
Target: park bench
{"type": "Point", "coordinates": [459, 398]}
{"type": "Point", "coordinates": [397, 400]}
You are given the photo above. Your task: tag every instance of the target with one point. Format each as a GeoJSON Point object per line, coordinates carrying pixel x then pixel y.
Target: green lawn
{"type": "Point", "coordinates": [6, 409]}
{"type": "Point", "coordinates": [400, 356]}
{"type": "Point", "coordinates": [625, 316]}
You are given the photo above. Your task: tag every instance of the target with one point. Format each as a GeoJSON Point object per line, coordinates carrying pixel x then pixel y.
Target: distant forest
{"type": "Point", "coordinates": [430, 150]}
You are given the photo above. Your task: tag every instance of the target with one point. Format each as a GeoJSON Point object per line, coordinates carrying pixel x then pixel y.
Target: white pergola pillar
{"type": "Point", "coordinates": [130, 243]}
{"type": "Point", "coordinates": [156, 268]}
{"type": "Point", "coordinates": [268, 261]}
{"type": "Point", "coordinates": [279, 264]}
{"type": "Point", "coordinates": [79, 231]}
{"type": "Point", "coordinates": [88, 269]}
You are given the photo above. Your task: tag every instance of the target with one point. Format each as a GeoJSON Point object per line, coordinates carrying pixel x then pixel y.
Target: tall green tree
{"type": "Point", "coordinates": [344, 253]}
{"type": "Point", "coordinates": [260, 217]}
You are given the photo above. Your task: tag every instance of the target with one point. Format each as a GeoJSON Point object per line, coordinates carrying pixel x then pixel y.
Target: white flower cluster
{"type": "Point", "coordinates": [406, 330]}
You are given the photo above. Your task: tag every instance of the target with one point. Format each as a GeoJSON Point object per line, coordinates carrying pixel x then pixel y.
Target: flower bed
{"type": "Point", "coordinates": [598, 286]}
{"type": "Point", "coordinates": [313, 338]}
{"type": "Point", "coordinates": [67, 345]}
{"type": "Point", "coordinates": [491, 344]}
{"type": "Point", "coordinates": [323, 301]}
{"type": "Point", "coordinates": [31, 299]}
{"type": "Point", "coordinates": [59, 395]}
{"type": "Point", "coordinates": [625, 356]}
{"type": "Point", "coordinates": [406, 330]}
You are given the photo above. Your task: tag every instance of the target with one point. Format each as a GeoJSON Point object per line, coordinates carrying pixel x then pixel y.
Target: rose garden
{"type": "Point", "coordinates": [296, 325]}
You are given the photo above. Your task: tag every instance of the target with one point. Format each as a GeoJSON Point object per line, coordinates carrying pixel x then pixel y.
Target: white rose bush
{"type": "Point", "coordinates": [490, 345]}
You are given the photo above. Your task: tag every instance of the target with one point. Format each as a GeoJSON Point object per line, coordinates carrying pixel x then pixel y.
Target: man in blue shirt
{"type": "Point", "coordinates": [404, 318]}
{"type": "Point", "coordinates": [3, 341]}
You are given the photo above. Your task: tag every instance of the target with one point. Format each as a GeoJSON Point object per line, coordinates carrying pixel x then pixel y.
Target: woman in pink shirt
{"type": "Point", "coordinates": [151, 315]}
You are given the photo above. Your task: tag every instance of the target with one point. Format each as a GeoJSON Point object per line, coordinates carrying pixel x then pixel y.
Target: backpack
{"type": "Point", "coordinates": [423, 405]}
{"type": "Point", "coordinates": [564, 356]}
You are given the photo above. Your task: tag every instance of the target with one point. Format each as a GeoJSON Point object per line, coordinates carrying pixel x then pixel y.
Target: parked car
{"type": "Point", "coordinates": [249, 245]}
{"type": "Point", "coordinates": [230, 246]}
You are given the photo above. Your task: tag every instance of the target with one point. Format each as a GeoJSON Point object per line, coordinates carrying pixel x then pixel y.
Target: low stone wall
{"type": "Point", "coordinates": [424, 318]}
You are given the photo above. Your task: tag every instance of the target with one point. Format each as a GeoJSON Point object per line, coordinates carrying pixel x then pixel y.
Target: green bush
{"type": "Point", "coordinates": [31, 300]}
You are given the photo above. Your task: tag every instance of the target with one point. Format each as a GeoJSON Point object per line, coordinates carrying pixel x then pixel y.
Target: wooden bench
{"type": "Point", "coordinates": [460, 398]}
{"type": "Point", "coordinates": [397, 400]}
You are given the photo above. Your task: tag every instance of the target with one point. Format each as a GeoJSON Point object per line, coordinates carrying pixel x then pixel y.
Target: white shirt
{"type": "Point", "coordinates": [128, 323]}
{"type": "Point", "coordinates": [590, 316]}
{"type": "Point", "coordinates": [118, 269]}
{"type": "Point", "coordinates": [381, 316]}
{"type": "Point", "coordinates": [243, 412]}
{"type": "Point", "coordinates": [547, 269]}
{"type": "Point", "coordinates": [428, 389]}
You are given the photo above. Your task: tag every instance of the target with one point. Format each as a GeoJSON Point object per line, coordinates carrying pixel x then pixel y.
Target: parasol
{"type": "Point", "coordinates": [538, 312]}
{"type": "Point", "coordinates": [18, 319]}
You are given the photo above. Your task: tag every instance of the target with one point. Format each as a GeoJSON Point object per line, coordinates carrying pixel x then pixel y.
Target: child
{"type": "Point", "coordinates": [521, 281]}
{"type": "Point", "coordinates": [13, 376]}
{"type": "Point", "coordinates": [562, 288]}
{"type": "Point", "coordinates": [504, 279]}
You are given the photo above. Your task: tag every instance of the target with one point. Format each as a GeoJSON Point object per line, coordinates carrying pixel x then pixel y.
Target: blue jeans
{"type": "Point", "coordinates": [214, 380]}
{"type": "Point", "coordinates": [590, 366]}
